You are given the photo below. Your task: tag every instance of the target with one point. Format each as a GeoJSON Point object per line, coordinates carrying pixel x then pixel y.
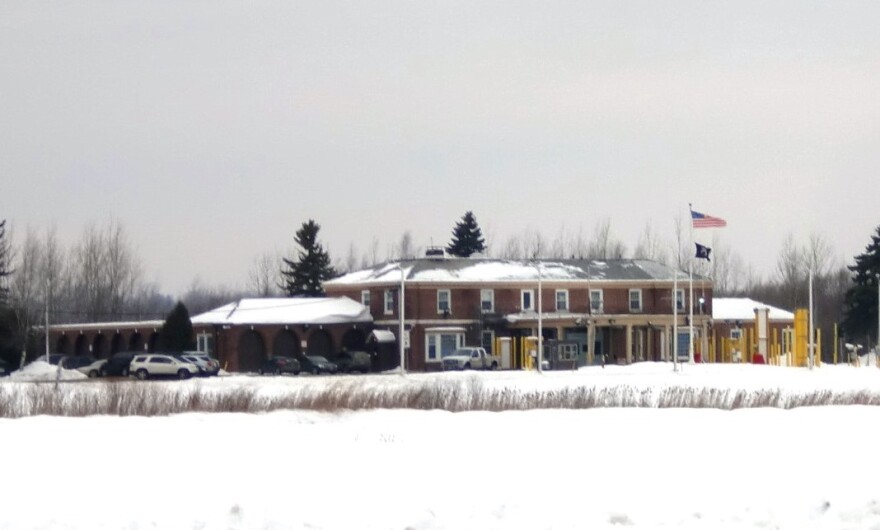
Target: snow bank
{"type": "Point", "coordinates": [43, 371]}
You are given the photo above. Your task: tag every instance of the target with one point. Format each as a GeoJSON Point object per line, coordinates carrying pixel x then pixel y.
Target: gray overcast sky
{"type": "Point", "coordinates": [212, 129]}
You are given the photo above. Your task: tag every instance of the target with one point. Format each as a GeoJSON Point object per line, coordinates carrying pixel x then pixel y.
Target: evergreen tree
{"type": "Point", "coordinates": [467, 238]}
{"type": "Point", "coordinates": [5, 258]}
{"type": "Point", "coordinates": [305, 276]}
{"type": "Point", "coordinates": [860, 303]}
{"type": "Point", "coordinates": [177, 332]}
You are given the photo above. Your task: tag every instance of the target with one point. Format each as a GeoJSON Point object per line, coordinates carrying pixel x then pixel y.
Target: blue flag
{"type": "Point", "coordinates": [703, 252]}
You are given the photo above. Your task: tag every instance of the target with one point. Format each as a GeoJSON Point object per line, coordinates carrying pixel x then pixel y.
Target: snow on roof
{"type": "Point", "coordinates": [744, 309]}
{"type": "Point", "coordinates": [496, 270]}
{"type": "Point", "coordinates": [334, 310]}
{"type": "Point", "coordinates": [381, 335]}
{"type": "Point", "coordinates": [145, 324]}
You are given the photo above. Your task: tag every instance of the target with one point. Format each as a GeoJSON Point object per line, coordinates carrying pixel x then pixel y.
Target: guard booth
{"type": "Point", "coordinates": [383, 350]}
{"type": "Point", "coordinates": [561, 354]}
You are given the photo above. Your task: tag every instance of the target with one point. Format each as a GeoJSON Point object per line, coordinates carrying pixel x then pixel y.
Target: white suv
{"type": "Point", "coordinates": [154, 364]}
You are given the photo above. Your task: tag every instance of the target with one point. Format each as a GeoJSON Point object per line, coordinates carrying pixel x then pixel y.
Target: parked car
{"type": "Point", "coordinates": [5, 368]}
{"type": "Point", "coordinates": [281, 364]}
{"type": "Point", "coordinates": [54, 358]}
{"type": "Point", "coordinates": [207, 365]}
{"type": "Point", "coordinates": [150, 365]}
{"type": "Point", "coordinates": [92, 369]}
{"type": "Point", "coordinates": [317, 364]}
{"type": "Point", "coordinates": [117, 365]}
{"type": "Point", "coordinates": [470, 357]}
{"type": "Point", "coordinates": [353, 361]}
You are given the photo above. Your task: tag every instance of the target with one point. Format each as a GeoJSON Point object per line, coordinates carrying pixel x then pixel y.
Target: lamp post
{"type": "Point", "coordinates": [401, 308]}
{"type": "Point", "coordinates": [540, 355]}
{"type": "Point", "coordinates": [877, 348]}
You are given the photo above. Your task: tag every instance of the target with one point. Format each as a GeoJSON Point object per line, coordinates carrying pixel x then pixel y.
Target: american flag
{"type": "Point", "coordinates": [701, 220]}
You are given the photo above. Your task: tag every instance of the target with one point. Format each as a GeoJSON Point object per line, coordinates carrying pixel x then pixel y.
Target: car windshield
{"type": "Point", "coordinates": [317, 359]}
{"type": "Point", "coordinates": [466, 353]}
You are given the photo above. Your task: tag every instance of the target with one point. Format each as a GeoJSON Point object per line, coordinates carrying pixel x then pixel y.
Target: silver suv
{"type": "Point", "coordinates": [160, 365]}
{"type": "Point", "coordinates": [207, 365]}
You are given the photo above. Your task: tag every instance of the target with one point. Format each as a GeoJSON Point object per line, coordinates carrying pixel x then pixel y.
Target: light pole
{"type": "Point", "coordinates": [401, 307]}
{"type": "Point", "coordinates": [540, 355]}
{"type": "Point", "coordinates": [877, 348]}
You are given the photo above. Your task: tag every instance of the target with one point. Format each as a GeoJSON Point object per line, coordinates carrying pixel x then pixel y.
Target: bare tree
{"type": "Point", "coordinates": [651, 246]}
{"type": "Point", "coordinates": [263, 278]}
{"type": "Point", "coordinates": [789, 271]}
{"type": "Point", "coordinates": [122, 271]}
{"type": "Point", "coordinates": [604, 245]}
{"type": "Point", "coordinates": [406, 249]}
{"type": "Point", "coordinates": [512, 248]}
{"type": "Point", "coordinates": [580, 248]}
{"type": "Point", "coordinates": [535, 246]}
{"type": "Point", "coordinates": [559, 246]}
{"type": "Point", "coordinates": [350, 264]}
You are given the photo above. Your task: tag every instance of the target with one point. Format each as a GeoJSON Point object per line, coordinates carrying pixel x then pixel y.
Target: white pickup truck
{"type": "Point", "coordinates": [469, 357]}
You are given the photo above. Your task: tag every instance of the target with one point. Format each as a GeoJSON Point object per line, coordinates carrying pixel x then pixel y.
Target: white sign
{"type": "Point", "coordinates": [406, 339]}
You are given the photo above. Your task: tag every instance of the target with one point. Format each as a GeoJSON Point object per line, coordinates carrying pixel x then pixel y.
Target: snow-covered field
{"type": "Point", "coordinates": [613, 467]}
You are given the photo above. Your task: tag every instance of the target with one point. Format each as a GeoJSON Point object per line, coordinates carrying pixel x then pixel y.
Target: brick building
{"type": "Point", "coordinates": [617, 310]}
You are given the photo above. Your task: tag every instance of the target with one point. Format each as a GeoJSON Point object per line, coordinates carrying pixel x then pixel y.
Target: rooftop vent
{"type": "Point", "coordinates": [435, 252]}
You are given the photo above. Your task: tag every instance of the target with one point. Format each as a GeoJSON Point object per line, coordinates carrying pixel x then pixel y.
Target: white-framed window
{"type": "Point", "coordinates": [736, 333]}
{"type": "Point", "coordinates": [527, 299]}
{"type": "Point", "coordinates": [389, 301]}
{"type": "Point", "coordinates": [444, 301]}
{"type": "Point", "coordinates": [487, 300]}
{"type": "Point", "coordinates": [365, 297]}
{"type": "Point", "coordinates": [562, 299]}
{"type": "Point", "coordinates": [440, 343]}
{"type": "Point", "coordinates": [679, 299]}
{"type": "Point", "coordinates": [205, 343]}
{"type": "Point", "coordinates": [635, 300]}
{"type": "Point", "coordinates": [597, 302]}
{"type": "Point", "coordinates": [487, 340]}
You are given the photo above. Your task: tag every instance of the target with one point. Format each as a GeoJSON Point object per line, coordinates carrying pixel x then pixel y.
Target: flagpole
{"type": "Point", "coordinates": [691, 294]}
{"type": "Point", "coordinates": [675, 321]}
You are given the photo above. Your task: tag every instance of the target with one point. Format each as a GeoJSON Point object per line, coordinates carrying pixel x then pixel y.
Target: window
{"type": "Point", "coordinates": [487, 340]}
{"type": "Point", "coordinates": [527, 299]}
{"type": "Point", "coordinates": [562, 299]}
{"type": "Point", "coordinates": [365, 298]}
{"type": "Point", "coordinates": [679, 300]}
{"type": "Point", "coordinates": [635, 300]}
{"type": "Point", "coordinates": [597, 304]}
{"type": "Point", "coordinates": [443, 301]}
{"type": "Point", "coordinates": [205, 343]}
{"type": "Point", "coordinates": [160, 360]}
{"type": "Point", "coordinates": [441, 343]}
{"type": "Point", "coordinates": [736, 333]}
{"type": "Point", "coordinates": [487, 300]}
{"type": "Point", "coordinates": [389, 301]}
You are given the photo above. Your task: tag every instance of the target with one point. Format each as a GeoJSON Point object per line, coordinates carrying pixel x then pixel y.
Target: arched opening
{"type": "Point", "coordinates": [320, 343]}
{"type": "Point", "coordinates": [286, 343]}
{"type": "Point", "coordinates": [117, 343]}
{"type": "Point", "coordinates": [153, 342]}
{"type": "Point", "coordinates": [354, 340]}
{"type": "Point", "coordinates": [251, 351]}
{"type": "Point", "coordinates": [100, 348]}
{"type": "Point", "coordinates": [62, 345]}
{"type": "Point", "coordinates": [82, 346]}
{"type": "Point", "coordinates": [136, 342]}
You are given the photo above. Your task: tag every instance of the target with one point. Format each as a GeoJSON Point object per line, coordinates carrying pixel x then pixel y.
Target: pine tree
{"type": "Point", "coordinates": [5, 258]}
{"type": "Point", "coordinates": [305, 277]}
{"type": "Point", "coordinates": [467, 238]}
{"type": "Point", "coordinates": [860, 303]}
{"type": "Point", "coordinates": [177, 332]}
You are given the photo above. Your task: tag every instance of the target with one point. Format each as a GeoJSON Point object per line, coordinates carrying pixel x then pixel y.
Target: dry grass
{"type": "Point", "coordinates": [135, 398]}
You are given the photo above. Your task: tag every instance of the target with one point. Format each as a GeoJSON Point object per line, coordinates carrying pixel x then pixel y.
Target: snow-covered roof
{"type": "Point", "coordinates": [744, 309]}
{"type": "Point", "coordinates": [138, 324]}
{"type": "Point", "coordinates": [381, 335]}
{"type": "Point", "coordinates": [484, 270]}
{"type": "Point", "coordinates": [334, 310]}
